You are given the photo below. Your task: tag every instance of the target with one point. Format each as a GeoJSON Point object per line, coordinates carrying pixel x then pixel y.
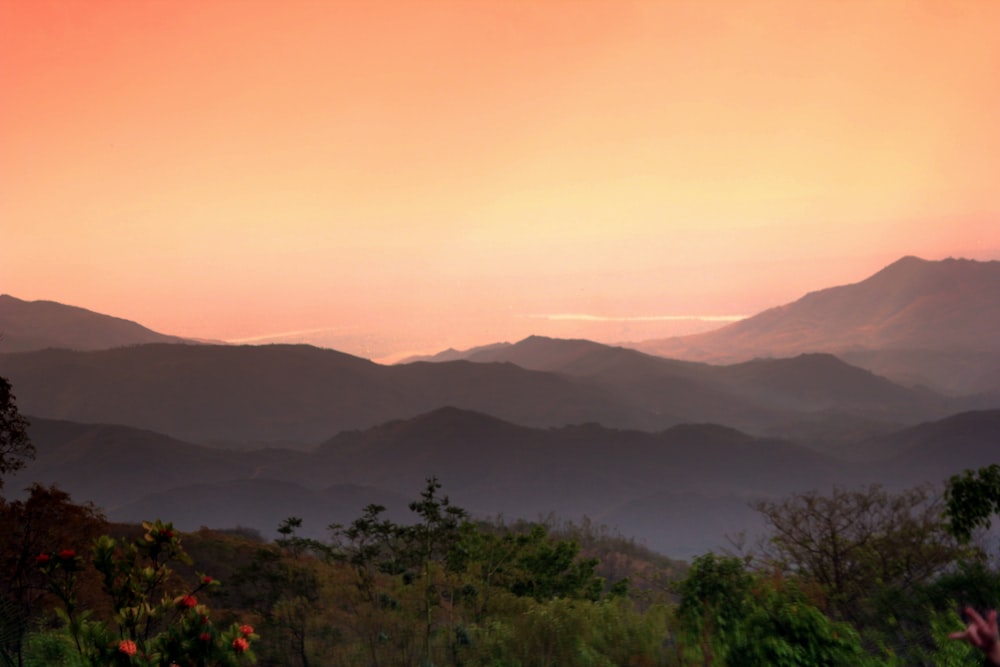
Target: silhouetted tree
{"type": "Point", "coordinates": [15, 446]}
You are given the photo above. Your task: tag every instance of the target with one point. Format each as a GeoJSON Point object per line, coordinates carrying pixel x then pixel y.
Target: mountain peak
{"type": "Point", "coordinates": [912, 304]}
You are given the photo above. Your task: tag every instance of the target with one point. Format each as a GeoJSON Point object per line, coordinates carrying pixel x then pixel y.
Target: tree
{"type": "Point", "coordinates": [856, 543]}
{"type": "Point", "coordinates": [971, 499]}
{"type": "Point", "coordinates": [15, 446]}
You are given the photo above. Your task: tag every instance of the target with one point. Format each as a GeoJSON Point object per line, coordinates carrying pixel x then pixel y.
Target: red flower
{"type": "Point", "coordinates": [67, 554]}
{"type": "Point", "coordinates": [205, 637]}
{"type": "Point", "coordinates": [42, 559]}
{"type": "Point", "coordinates": [206, 580]}
{"type": "Point", "coordinates": [187, 602]}
{"type": "Point", "coordinates": [127, 646]}
{"type": "Point", "coordinates": [240, 644]}
{"type": "Point", "coordinates": [166, 534]}
{"type": "Point", "coordinates": [246, 630]}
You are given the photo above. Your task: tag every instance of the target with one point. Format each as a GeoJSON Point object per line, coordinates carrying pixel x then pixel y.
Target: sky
{"type": "Point", "coordinates": [398, 177]}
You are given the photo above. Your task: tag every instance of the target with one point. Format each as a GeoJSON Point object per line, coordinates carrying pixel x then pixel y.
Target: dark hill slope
{"type": "Point", "coordinates": [111, 464]}
{"type": "Point", "coordinates": [966, 440]}
{"type": "Point", "coordinates": [37, 325]}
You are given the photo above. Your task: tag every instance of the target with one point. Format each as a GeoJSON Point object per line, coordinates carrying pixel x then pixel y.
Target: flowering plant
{"type": "Point", "coordinates": [150, 627]}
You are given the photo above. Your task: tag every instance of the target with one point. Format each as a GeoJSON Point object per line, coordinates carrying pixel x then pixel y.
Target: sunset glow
{"type": "Point", "coordinates": [407, 176]}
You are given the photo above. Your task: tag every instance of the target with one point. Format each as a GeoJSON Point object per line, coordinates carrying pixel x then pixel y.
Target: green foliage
{"type": "Point", "coordinates": [971, 499]}
{"type": "Point", "coordinates": [52, 649]}
{"type": "Point", "coordinates": [714, 600]}
{"type": "Point", "coordinates": [728, 615]}
{"type": "Point", "coordinates": [948, 652]}
{"type": "Point", "coordinates": [446, 591]}
{"type": "Point", "coordinates": [783, 630]}
{"type": "Point", "coordinates": [569, 632]}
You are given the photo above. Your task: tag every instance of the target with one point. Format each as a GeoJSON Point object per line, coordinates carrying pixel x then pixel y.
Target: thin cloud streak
{"type": "Point", "coordinates": [280, 334]}
{"type": "Point", "coordinates": [584, 317]}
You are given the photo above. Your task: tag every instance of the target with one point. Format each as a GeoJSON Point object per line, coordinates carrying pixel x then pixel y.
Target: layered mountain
{"type": "Point", "coordinates": [38, 325]}
{"type": "Point", "coordinates": [809, 396]}
{"type": "Point", "coordinates": [680, 490]}
{"type": "Point", "coordinates": [250, 395]}
{"type": "Point", "coordinates": [288, 393]}
{"type": "Point", "coordinates": [917, 321]}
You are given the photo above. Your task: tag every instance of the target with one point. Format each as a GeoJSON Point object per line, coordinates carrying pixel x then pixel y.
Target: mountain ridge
{"type": "Point", "coordinates": [297, 393]}
{"type": "Point", "coordinates": [38, 325]}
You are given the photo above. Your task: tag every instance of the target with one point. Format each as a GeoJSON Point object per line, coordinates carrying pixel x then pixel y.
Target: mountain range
{"type": "Point", "coordinates": [246, 396]}
{"type": "Point", "coordinates": [681, 490]}
{"type": "Point", "coordinates": [893, 380]}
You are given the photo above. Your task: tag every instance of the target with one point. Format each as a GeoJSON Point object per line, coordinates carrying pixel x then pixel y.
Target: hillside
{"type": "Point", "coordinates": [916, 320]}
{"type": "Point", "coordinates": [38, 325]}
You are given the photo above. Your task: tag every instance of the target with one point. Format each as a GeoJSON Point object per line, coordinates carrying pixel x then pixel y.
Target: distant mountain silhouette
{"type": "Point", "coordinates": [246, 395]}
{"type": "Point", "coordinates": [451, 354]}
{"type": "Point", "coordinates": [289, 393]}
{"type": "Point", "coordinates": [679, 491]}
{"type": "Point", "coordinates": [915, 320]}
{"type": "Point", "coordinates": [758, 395]}
{"type": "Point", "coordinates": [38, 325]}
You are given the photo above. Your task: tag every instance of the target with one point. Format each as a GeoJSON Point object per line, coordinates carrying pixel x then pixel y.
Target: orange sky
{"type": "Point", "coordinates": [414, 175]}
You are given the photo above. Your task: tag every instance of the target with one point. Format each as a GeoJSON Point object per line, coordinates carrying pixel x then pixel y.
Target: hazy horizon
{"type": "Point", "coordinates": [405, 178]}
